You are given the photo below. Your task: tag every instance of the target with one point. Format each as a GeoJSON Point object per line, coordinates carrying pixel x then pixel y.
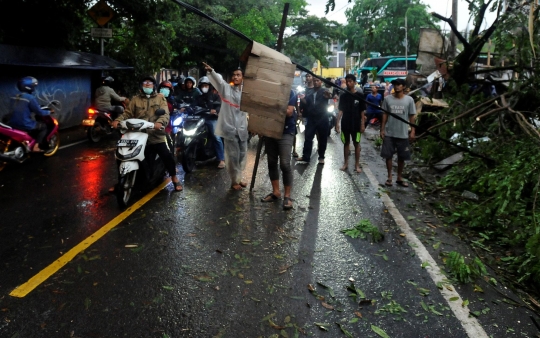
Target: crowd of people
{"type": "Point", "coordinates": [229, 124]}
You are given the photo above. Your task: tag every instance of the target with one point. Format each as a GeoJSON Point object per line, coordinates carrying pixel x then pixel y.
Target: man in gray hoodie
{"type": "Point", "coordinates": [231, 124]}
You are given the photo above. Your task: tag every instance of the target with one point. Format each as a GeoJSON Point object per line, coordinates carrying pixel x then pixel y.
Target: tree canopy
{"type": "Point", "coordinates": [154, 34]}
{"type": "Point", "coordinates": [379, 26]}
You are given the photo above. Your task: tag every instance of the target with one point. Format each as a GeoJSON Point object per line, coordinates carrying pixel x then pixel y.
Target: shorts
{"type": "Point", "coordinates": [346, 136]}
{"type": "Point", "coordinates": [392, 145]}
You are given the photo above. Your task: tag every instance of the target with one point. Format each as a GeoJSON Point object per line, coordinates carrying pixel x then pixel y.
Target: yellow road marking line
{"type": "Point", "coordinates": [43, 275]}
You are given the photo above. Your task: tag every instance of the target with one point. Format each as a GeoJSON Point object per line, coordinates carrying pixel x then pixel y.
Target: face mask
{"type": "Point", "coordinates": [165, 91]}
{"type": "Point", "coordinates": [204, 90]}
{"type": "Point", "coordinates": [148, 91]}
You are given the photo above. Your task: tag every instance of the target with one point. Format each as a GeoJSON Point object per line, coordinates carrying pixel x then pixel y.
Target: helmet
{"type": "Point", "coordinates": [167, 84]}
{"type": "Point", "coordinates": [204, 80]}
{"type": "Point", "coordinates": [108, 80]}
{"type": "Point", "coordinates": [148, 78]}
{"type": "Point", "coordinates": [192, 79]}
{"type": "Point", "coordinates": [27, 84]}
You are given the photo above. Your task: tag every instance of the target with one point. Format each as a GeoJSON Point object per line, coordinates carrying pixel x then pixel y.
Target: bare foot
{"type": "Point", "coordinates": [243, 184]}
{"type": "Point", "coordinates": [345, 166]}
{"type": "Point", "coordinates": [236, 187]}
{"type": "Point", "coordinates": [358, 170]}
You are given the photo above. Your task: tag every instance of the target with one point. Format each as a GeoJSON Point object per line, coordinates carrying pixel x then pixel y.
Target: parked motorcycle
{"type": "Point", "coordinates": [134, 171]}
{"type": "Point", "coordinates": [16, 145]}
{"type": "Point", "coordinates": [193, 140]}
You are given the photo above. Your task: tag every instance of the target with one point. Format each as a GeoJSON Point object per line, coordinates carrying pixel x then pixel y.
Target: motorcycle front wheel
{"type": "Point", "coordinates": [94, 132]}
{"type": "Point", "coordinates": [188, 160]}
{"type": "Point", "coordinates": [54, 144]}
{"type": "Point", "coordinates": [124, 189]}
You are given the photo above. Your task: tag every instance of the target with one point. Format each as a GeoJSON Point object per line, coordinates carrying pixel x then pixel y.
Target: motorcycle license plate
{"type": "Point", "coordinates": [127, 143]}
{"type": "Point", "coordinates": [88, 122]}
{"type": "Point", "coordinates": [192, 117]}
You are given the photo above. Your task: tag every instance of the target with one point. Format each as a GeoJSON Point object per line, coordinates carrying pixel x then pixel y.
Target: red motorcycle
{"type": "Point", "coordinates": [16, 145]}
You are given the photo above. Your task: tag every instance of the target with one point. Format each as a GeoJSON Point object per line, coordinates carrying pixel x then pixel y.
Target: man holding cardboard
{"type": "Point", "coordinates": [231, 124]}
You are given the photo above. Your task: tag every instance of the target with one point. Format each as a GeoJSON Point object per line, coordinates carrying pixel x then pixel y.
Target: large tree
{"type": "Point", "coordinates": [379, 26]}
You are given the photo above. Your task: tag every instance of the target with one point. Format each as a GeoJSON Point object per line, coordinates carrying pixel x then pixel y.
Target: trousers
{"type": "Point", "coordinates": [235, 158]}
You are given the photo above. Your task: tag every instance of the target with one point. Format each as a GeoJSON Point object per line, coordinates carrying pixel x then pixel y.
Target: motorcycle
{"type": "Point", "coordinates": [193, 140]}
{"type": "Point", "coordinates": [332, 116]}
{"type": "Point", "coordinates": [130, 154]}
{"type": "Point", "coordinates": [176, 123]}
{"type": "Point", "coordinates": [16, 145]}
{"type": "Point", "coordinates": [99, 123]}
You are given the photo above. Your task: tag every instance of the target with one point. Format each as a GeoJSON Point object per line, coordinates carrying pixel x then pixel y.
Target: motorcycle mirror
{"type": "Point", "coordinates": [160, 112]}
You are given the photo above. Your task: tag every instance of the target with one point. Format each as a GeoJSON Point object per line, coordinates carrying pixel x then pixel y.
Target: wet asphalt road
{"type": "Point", "coordinates": [211, 262]}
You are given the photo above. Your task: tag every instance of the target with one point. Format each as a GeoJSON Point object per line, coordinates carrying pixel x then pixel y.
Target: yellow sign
{"type": "Point", "coordinates": [101, 13]}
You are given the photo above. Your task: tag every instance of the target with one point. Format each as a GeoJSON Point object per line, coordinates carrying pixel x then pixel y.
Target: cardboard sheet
{"type": "Point", "coordinates": [267, 85]}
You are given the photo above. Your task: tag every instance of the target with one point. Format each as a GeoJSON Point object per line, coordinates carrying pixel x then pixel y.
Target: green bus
{"type": "Point", "coordinates": [388, 67]}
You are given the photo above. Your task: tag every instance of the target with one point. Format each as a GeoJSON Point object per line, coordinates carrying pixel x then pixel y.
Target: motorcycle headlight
{"type": "Point", "coordinates": [133, 154]}
{"type": "Point", "coordinates": [330, 109]}
{"type": "Point", "coordinates": [300, 89]}
{"type": "Point", "coordinates": [177, 121]}
{"type": "Point", "coordinates": [190, 132]}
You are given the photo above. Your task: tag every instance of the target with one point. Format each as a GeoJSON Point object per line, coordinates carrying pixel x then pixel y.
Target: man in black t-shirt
{"type": "Point", "coordinates": [351, 116]}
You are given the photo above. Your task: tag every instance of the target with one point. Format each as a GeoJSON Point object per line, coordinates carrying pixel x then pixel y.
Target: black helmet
{"type": "Point", "coordinates": [27, 84]}
{"type": "Point", "coordinates": [148, 78]}
{"type": "Point", "coordinates": [108, 80]}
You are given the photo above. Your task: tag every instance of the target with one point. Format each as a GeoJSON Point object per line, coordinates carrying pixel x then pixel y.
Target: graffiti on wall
{"type": "Point", "coordinates": [72, 91]}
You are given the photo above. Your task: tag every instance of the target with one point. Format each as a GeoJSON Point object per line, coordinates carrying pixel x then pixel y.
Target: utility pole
{"type": "Point", "coordinates": [453, 37]}
{"type": "Point", "coordinates": [406, 47]}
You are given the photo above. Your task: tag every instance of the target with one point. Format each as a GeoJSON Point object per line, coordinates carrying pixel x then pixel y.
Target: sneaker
{"type": "Point", "coordinates": [321, 161]}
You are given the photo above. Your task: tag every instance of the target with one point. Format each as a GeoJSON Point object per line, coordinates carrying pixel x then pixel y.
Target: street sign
{"type": "Point", "coordinates": [101, 32]}
{"type": "Point", "coordinates": [101, 13]}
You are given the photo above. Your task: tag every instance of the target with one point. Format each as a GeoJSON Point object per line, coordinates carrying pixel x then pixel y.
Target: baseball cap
{"type": "Point", "coordinates": [398, 82]}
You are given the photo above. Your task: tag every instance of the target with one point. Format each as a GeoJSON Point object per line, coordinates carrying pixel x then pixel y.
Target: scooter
{"type": "Point", "coordinates": [99, 123]}
{"type": "Point", "coordinates": [193, 140]}
{"type": "Point", "coordinates": [16, 145]}
{"type": "Point", "coordinates": [135, 172]}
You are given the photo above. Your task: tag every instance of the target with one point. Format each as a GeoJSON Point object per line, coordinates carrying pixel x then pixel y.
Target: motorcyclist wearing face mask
{"type": "Point", "coordinates": [190, 93]}
{"type": "Point", "coordinates": [165, 88]}
{"type": "Point", "coordinates": [144, 106]}
{"type": "Point", "coordinates": [210, 99]}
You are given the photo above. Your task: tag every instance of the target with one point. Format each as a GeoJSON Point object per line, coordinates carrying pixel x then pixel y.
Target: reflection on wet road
{"type": "Point", "coordinates": [210, 262]}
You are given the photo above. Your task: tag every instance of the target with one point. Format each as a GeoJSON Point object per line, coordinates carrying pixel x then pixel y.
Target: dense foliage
{"type": "Point", "coordinates": [154, 34]}
{"type": "Point", "coordinates": [379, 26]}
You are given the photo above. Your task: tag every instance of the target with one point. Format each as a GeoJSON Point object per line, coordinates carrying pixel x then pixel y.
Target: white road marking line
{"type": "Point", "coordinates": [469, 323]}
{"type": "Point", "coordinates": [72, 144]}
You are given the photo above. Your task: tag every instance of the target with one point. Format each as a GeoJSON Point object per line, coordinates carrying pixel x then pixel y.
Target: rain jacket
{"type": "Point", "coordinates": [231, 120]}
{"type": "Point", "coordinates": [144, 108]}
{"type": "Point", "coordinates": [22, 107]}
{"type": "Point", "coordinates": [104, 95]}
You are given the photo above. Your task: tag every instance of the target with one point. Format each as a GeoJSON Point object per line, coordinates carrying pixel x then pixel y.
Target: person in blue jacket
{"type": "Point", "coordinates": [22, 107]}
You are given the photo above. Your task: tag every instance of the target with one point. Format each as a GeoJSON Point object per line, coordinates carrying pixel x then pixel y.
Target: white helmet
{"type": "Point", "coordinates": [192, 79]}
{"type": "Point", "coordinates": [204, 80]}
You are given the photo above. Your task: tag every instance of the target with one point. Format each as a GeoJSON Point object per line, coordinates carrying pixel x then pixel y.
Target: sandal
{"type": "Point", "coordinates": [243, 184]}
{"type": "Point", "coordinates": [269, 198]}
{"type": "Point", "coordinates": [176, 185]}
{"type": "Point", "coordinates": [388, 183]}
{"type": "Point", "coordinates": [403, 183]}
{"type": "Point", "coordinates": [287, 203]}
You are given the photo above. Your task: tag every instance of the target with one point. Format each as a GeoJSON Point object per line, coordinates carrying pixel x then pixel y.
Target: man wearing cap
{"type": "Point", "coordinates": [394, 132]}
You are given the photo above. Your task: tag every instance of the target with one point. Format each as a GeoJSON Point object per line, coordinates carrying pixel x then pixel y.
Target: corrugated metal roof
{"type": "Point", "coordinates": [55, 58]}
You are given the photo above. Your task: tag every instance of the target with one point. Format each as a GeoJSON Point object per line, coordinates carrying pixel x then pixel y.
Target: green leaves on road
{"type": "Point", "coordinates": [362, 229]}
